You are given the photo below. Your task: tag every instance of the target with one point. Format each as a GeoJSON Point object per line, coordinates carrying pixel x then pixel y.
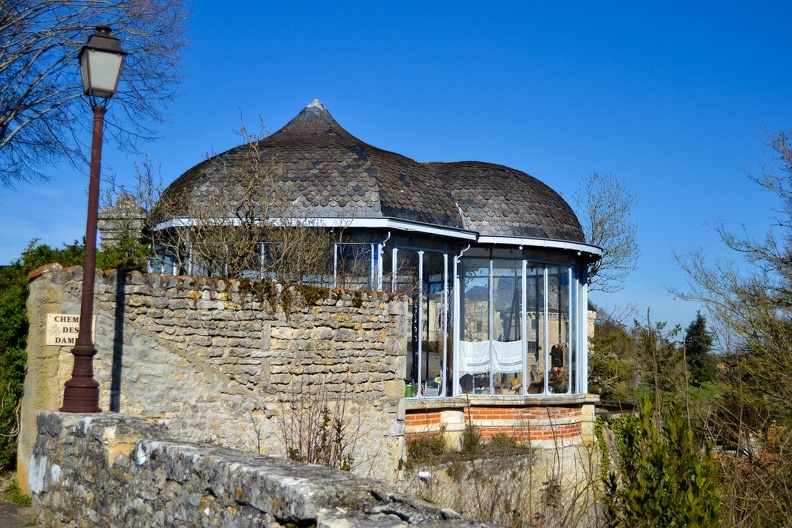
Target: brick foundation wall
{"type": "Point", "coordinates": [521, 420]}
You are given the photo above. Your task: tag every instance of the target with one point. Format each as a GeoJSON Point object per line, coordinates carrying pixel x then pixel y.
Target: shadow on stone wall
{"type": "Point", "coordinates": [118, 343]}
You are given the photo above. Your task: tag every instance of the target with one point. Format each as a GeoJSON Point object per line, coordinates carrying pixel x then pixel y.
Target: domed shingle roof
{"type": "Point", "coordinates": [332, 174]}
{"type": "Point", "coordinates": [500, 201]}
{"type": "Point", "coordinates": [329, 173]}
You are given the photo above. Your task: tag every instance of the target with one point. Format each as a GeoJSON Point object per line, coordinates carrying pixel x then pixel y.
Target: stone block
{"type": "Point", "coordinates": [394, 389]}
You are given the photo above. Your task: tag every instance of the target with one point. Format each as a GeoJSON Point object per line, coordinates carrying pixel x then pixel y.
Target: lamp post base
{"type": "Point", "coordinates": [81, 393]}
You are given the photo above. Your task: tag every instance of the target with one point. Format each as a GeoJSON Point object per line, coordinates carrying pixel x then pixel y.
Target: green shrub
{"type": "Point", "coordinates": [13, 331]}
{"type": "Point", "coordinates": [425, 448]}
{"type": "Point", "coordinates": [13, 335]}
{"type": "Point", "coordinates": [471, 440]}
{"type": "Point", "coordinates": [16, 495]}
{"type": "Point", "coordinates": [663, 476]}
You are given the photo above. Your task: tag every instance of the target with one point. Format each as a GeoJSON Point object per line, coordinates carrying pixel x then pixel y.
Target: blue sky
{"type": "Point", "coordinates": [674, 98]}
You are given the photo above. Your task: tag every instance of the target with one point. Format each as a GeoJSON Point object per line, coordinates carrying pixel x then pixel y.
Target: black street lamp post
{"type": "Point", "coordinates": [100, 66]}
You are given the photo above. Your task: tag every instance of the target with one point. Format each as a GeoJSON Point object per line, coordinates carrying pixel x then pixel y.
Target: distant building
{"type": "Point", "coordinates": [124, 219]}
{"type": "Point", "coordinates": [493, 260]}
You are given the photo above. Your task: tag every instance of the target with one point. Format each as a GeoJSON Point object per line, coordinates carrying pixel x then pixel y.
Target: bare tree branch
{"type": "Point", "coordinates": [750, 299]}
{"type": "Point", "coordinates": [605, 210]}
{"type": "Point", "coordinates": [41, 111]}
{"type": "Point", "coordinates": [237, 221]}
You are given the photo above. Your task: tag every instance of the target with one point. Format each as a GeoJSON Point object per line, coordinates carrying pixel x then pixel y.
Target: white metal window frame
{"type": "Point", "coordinates": [577, 317]}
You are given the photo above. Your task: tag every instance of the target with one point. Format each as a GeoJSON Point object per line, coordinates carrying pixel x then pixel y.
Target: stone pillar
{"type": "Point", "coordinates": [48, 367]}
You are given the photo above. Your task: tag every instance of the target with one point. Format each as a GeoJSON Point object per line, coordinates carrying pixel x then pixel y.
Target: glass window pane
{"type": "Point", "coordinates": [387, 270]}
{"type": "Point", "coordinates": [574, 330]}
{"type": "Point", "coordinates": [407, 280]}
{"type": "Point", "coordinates": [507, 347]}
{"type": "Point", "coordinates": [423, 277]}
{"type": "Point", "coordinates": [474, 353]}
{"type": "Point", "coordinates": [353, 266]}
{"type": "Point", "coordinates": [433, 331]}
{"type": "Point", "coordinates": [558, 280]}
{"type": "Point", "coordinates": [535, 332]}
{"type": "Point", "coordinates": [475, 299]}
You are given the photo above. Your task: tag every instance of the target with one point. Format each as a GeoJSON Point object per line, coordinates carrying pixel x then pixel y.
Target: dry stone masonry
{"type": "Point", "coordinates": [111, 470]}
{"type": "Point", "coordinates": [219, 361]}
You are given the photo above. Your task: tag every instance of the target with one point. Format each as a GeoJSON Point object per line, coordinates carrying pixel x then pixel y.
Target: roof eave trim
{"type": "Point", "coordinates": [395, 224]}
{"type": "Point", "coordinates": [344, 223]}
{"type": "Point", "coordinates": [542, 243]}
{"type": "Point", "coordinates": [413, 227]}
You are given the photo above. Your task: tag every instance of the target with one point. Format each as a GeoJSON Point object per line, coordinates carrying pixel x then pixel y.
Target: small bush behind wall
{"type": "Point", "coordinates": [507, 482]}
{"type": "Point", "coordinates": [14, 330]}
{"type": "Point", "coordinates": [316, 427]}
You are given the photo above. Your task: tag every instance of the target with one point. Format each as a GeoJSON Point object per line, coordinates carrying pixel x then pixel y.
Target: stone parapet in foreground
{"type": "Point", "coordinates": [108, 469]}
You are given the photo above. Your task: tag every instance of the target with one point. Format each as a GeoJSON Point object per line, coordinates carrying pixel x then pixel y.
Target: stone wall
{"type": "Point", "coordinates": [217, 361]}
{"type": "Point", "coordinates": [109, 470]}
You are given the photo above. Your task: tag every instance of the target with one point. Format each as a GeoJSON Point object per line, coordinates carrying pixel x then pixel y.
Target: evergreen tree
{"type": "Point", "coordinates": [698, 345]}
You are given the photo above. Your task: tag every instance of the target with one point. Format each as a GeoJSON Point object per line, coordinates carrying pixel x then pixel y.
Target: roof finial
{"type": "Point", "coordinates": [316, 103]}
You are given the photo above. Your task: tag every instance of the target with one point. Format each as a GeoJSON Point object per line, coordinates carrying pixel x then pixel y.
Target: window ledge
{"type": "Point", "coordinates": [503, 401]}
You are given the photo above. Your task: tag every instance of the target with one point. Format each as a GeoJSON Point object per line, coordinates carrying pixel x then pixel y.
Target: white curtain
{"type": "Point", "coordinates": [474, 357]}
{"type": "Point", "coordinates": [507, 357]}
